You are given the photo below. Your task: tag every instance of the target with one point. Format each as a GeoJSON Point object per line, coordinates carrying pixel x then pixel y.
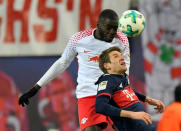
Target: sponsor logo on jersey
{"type": "Point", "coordinates": [86, 51]}
{"type": "Point", "coordinates": [128, 94]}
{"type": "Point", "coordinates": [94, 59]}
{"type": "Point", "coordinates": [102, 85]}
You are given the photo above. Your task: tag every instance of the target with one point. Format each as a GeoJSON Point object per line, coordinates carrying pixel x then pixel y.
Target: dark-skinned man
{"type": "Point", "coordinates": [86, 46]}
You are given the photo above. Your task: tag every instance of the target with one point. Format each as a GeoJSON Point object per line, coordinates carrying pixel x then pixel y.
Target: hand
{"type": "Point", "coordinates": [142, 116]}
{"type": "Point", "coordinates": [24, 99]}
{"type": "Point", "coordinates": [160, 107]}
{"type": "Point", "coordinates": [137, 116]}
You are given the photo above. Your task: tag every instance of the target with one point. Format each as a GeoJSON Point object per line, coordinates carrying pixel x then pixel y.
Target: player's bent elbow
{"type": "Point", "coordinates": [99, 108]}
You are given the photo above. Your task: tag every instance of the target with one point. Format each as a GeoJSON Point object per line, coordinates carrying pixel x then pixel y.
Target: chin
{"type": "Point", "coordinates": [108, 40]}
{"type": "Point", "coordinates": [124, 70]}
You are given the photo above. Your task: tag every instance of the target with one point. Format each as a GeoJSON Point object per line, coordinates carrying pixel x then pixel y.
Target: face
{"type": "Point", "coordinates": [117, 64]}
{"type": "Point", "coordinates": [107, 29]}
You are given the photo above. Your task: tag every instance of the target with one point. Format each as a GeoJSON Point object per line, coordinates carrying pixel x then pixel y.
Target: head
{"type": "Point", "coordinates": [111, 61]}
{"type": "Point", "coordinates": [177, 93]}
{"type": "Point", "coordinates": [107, 25]}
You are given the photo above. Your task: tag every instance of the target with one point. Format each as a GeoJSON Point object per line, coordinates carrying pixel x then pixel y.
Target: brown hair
{"type": "Point", "coordinates": [104, 57]}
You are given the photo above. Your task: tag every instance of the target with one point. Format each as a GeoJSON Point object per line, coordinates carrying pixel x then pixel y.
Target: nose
{"type": "Point", "coordinates": [122, 58]}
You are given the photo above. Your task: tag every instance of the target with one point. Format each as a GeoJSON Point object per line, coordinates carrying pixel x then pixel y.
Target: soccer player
{"type": "Point", "coordinates": [87, 45]}
{"type": "Point", "coordinates": [116, 99]}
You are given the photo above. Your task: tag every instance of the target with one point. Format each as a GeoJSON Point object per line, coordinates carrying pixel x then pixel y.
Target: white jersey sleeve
{"type": "Point", "coordinates": [61, 64]}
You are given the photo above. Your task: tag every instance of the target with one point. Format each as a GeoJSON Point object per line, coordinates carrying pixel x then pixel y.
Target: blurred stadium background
{"type": "Point", "coordinates": [33, 34]}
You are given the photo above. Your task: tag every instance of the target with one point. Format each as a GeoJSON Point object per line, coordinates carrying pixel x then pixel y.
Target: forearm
{"type": "Point", "coordinates": [149, 100]}
{"type": "Point", "coordinates": [58, 67]}
{"type": "Point", "coordinates": [108, 110]}
{"type": "Point", "coordinates": [140, 96]}
{"type": "Point", "coordinates": [125, 113]}
{"type": "Point", "coordinates": [143, 97]}
{"type": "Point", "coordinates": [160, 107]}
{"type": "Point", "coordinates": [154, 102]}
{"type": "Point", "coordinates": [137, 116]}
{"type": "Point", "coordinates": [104, 108]}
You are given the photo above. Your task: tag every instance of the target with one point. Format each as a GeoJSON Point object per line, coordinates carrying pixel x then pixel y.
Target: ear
{"type": "Point", "coordinates": [107, 66]}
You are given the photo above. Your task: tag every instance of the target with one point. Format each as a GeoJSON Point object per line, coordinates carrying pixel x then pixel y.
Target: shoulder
{"type": "Point", "coordinates": [106, 84]}
{"type": "Point", "coordinates": [82, 34]}
{"type": "Point", "coordinates": [121, 36]}
{"type": "Point", "coordinates": [105, 79]}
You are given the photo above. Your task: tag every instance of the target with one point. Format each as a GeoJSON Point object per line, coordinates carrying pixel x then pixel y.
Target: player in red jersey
{"type": "Point", "coordinates": [86, 46]}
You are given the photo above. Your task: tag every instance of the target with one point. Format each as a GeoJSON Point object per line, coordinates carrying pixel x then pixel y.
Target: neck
{"type": "Point", "coordinates": [116, 73]}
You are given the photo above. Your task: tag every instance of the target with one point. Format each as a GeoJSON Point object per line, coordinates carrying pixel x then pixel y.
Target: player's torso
{"type": "Point", "coordinates": [88, 51]}
{"type": "Point", "coordinates": [123, 95]}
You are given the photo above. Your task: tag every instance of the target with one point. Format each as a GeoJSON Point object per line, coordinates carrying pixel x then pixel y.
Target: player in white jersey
{"type": "Point", "coordinates": [87, 46]}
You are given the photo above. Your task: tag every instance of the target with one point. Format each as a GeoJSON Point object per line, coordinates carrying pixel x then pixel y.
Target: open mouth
{"type": "Point", "coordinates": [122, 63]}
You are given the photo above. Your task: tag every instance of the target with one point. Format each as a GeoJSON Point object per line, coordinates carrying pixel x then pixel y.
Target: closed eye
{"type": "Point", "coordinates": [115, 55]}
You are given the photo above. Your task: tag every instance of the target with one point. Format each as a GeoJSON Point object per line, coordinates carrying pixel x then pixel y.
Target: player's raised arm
{"type": "Point", "coordinates": [58, 67]}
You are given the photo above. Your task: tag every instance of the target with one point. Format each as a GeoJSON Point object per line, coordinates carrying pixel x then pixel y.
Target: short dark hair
{"type": "Point", "coordinates": [108, 14]}
{"type": "Point", "coordinates": [178, 93]}
{"type": "Point", "coordinates": [104, 57]}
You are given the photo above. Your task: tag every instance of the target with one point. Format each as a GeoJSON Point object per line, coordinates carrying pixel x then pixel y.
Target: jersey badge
{"type": "Point", "coordinates": [102, 85]}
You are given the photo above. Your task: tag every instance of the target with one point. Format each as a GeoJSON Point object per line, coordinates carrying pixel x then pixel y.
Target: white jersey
{"type": "Point", "coordinates": [87, 49]}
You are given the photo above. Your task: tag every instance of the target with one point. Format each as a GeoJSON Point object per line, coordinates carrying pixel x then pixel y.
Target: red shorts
{"type": "Point", "coordinates": [87, 115]}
